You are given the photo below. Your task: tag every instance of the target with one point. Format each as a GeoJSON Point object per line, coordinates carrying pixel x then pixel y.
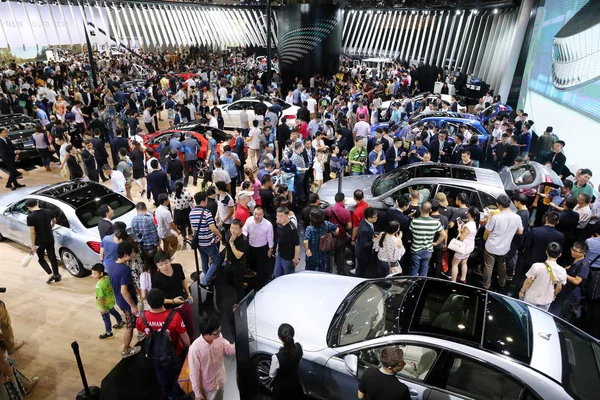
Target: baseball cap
{"type": "Point", "coordinates": [441, 198]}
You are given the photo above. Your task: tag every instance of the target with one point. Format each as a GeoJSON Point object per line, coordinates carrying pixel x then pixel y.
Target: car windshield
{"type": "Point", "coordinates": [391, 180]}
{"type": "Point", "coordinates": [88, 212]}
{"type": "Point", "coordinates": [508, 328]}
{"type": "Point", "coordinates": [374, 312]}
{"type": "Point", "coordinates": [282, 103]}
{"type": "Point", "coordinates": [580, 362]}
{"type": "Point", "coordinates": [488, 111]}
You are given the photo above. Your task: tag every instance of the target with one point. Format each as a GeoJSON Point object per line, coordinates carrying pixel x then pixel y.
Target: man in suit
{"type": "Point", "coordinates": [394, 155]}
{"type": "Point", "coordinates": [538, 239]}
{"type": "Point", "coordinates": [100, 153]}
{"type": "Point", "coordinates": [454, 105]}
{"type": "Point", "coordinates": [440, 148]}
{"type": "Point", "coordinates": [364, 241]}
{"type": "Point", "coordinates": [411, 107]}
{"type": "Point", "coordinates": [455, 155]}
{"type": "Point", "coordinates": [556, 158]}
{"type": "Point", "coordinates": [90, 164]}
{"type": "Point", "coordinates": [9, 156]}
{"type": "Point", "coordinates": [87, 98]}
{"type": "Point", "coordinates": [119, 143]}
{"type": "Point", "coordinates": [105, 226]}
{"type": "Point", "coordinates": [158, 182]}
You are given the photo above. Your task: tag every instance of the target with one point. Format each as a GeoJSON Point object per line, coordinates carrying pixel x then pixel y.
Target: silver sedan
{"type": "Point", "coordinates": [75, 207]}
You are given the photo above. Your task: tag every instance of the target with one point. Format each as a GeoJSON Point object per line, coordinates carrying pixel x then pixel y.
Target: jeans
{"type": "Point", "coordinates": [283, 267]}
{"type": "Point", "coordinates": [383, 268]}
{"type": "Point", "coordinates": [106, 319]}
{"type": "Point", "coordinates": [211, 251]}
{"type": "Point", "coordinates": [45, 156]}
{"type": "Point", "coordinates": [319, 266]}
{"type": "Point", "coordinates": [340, 258]}
{"type": "Point", "coordinates": [420, 262]}
{"type": "Point", "coordinates": [47, 248]}
{"type": "Point", "coordinates": [193, 165]}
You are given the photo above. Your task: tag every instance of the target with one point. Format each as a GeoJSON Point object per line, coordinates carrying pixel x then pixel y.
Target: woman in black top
{"type": "Point", "coordinates": [73, 162]}
{"type": "Point", "coordinates": [170, 278]}
{"type": "Point", "coordinates": [138, 161]}
{"type": "Point", "coordinates": [284, 366]}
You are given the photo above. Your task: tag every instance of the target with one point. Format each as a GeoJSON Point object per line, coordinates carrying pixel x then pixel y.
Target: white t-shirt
{"type": "Point", "coordinates": [311, 105]}
{"type": "Point", "coordinates": [225, 203]}
{"type": "Point", "coordinates": [213, 123]}
{"type": "Point", "coordinates": [220, 175]}
{"type": "Point", "coordinates": [502, 228]}
{"type": "Point", "coordinates": [117, 180]}
{"type": "Point", "coordinates": [223, 93]}
{"type": "Point", "coordinates": [541, 291]}
{"type": "Point", "coordinates": [318, 168]}
{"type": "Point", "coordinates": [362, 129]}
{"type": "Point", "coordinates": [164, 218]}
{"type": "Point", "coordinates": [255, 135]}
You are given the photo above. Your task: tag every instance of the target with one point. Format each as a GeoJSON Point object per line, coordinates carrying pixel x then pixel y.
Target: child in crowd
{"type": "Point", "coordinates": [105, 300]}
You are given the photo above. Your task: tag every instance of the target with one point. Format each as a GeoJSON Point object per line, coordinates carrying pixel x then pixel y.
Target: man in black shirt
{"type": "Point", "coordinates": [556, 158]}
{"type": "Point", "coordinates": [73, 161]}
{"type": "Point", "coordinates": [158, 182]}
{"type": "Point", "coordinates": [313, 204]}
{"type": "Point", "coordinates": [9, 156]}
{"type": "Point", "coordinates": [89, 161]}
{"type": "Point", "coordinates": [40, 223]}
{"type": "Point", "coordinates": [267, 198]}
{"type": "Point", "coordinates": [235, 259]}
{"type": "Point", "coordinates": [382, 384]}
{"type": "Point", "coordinates": [288, 244]}
{"type": "Point", "coordinates": [174, 168]}
{"type": "Point", "coordinates": [105, 226]}
{"type": "Point", "coordinates": [283, 134]}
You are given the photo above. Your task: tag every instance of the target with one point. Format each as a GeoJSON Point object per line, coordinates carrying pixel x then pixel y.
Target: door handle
{"type": "Point", "coordinates": [413, 392]}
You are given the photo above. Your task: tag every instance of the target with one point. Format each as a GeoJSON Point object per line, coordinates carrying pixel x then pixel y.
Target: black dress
{"type": "Point", "coordinates": [286, 384]}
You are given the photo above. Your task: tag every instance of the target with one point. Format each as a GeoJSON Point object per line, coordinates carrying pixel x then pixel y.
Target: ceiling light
{"type": "Point", "coordinates": [495, 11]}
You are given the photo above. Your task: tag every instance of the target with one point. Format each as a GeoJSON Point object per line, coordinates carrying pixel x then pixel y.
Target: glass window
{"type": "Point", "coordinates": [508, 328]}
{"type": "Point", "coordinates": [449, 310]}
{"type": "Point", "coordinates": [523, 174]}
{"type": "Point", "coordinates": [418, 360]}
{"type": "Point", "coordinates": [432, 171]}
{"type": "Point", "coordinates": [487, 200]}
{"type": "Point", "coordinates": [19, 207]}
{"type": "Point", "coordinates": [61, 218]}
{"type": "Point", "coordinates": [467, 174]}
{"type": "Point", "coordinates": [282, 103]}
{"type": "Point", "coordinates": [479, 381]}
{"type": "Point", "coordinates": [453, 191]}
{"type": "Point", "coordinates": [580, 362]}
{"type": "Point", "coordinates": [236, 106]}
{"type": "Point", "coordinates": [88, 212]}
{"type": "Point", "coordinates": [162, 138]}
{"type": "Point", "coordinates": [374, 313]}
{"type": "Point", "coordinates": [391, 180]}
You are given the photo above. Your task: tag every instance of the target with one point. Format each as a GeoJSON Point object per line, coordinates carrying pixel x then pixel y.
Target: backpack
{"type": "Point", "coordinates": [127, 171]}
{"type": "Point", "coordinates": [159, 349]}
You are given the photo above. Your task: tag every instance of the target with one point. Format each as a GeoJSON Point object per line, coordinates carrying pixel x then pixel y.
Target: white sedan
{"type": "Point", "coordinates": [231, 112]}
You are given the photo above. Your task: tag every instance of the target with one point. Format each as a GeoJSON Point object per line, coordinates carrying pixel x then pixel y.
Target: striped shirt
{"type": "Point", "coordinates": [423, 230]}
{"type": "Point", "coordinates": [203, 217]}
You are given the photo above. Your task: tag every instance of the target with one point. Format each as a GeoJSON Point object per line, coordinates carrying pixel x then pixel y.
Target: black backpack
{"type": "Point", "coordinates": [159, 349]}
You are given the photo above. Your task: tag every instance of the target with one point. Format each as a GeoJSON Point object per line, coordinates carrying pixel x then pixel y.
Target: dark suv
{"type": "Point", "coordinates": [20, 130]}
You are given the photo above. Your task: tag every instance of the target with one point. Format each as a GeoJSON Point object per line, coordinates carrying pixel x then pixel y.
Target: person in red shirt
{"type": "Point", "coordinates": [156, 317]}
{"type": "Point", "coordinates": [342, 217]}
{"type": "Point", "coordinates": [242, 211]}
{"type": "Point", "coordinates": [302, 128]}
{"type": "Point", "coordinates": [359, 213]}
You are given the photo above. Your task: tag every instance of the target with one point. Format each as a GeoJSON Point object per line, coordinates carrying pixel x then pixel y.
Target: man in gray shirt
{"type": "Point", "coordinates": [190, 148]}
{"type": "Point", "coordinates": [244, 121]}
{"type": "Point", "coordinates": [501, 228]}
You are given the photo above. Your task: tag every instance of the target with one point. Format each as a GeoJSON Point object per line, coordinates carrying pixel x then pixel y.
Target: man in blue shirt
{"type": "Point", "coordinates": [125, 295]}
{"type": "Point", "coordinates": [231, 162]}
{"type": "Point", "coordinates": [41, 116]}
{"type": "Point", "coordinates": [144, 230]}
{"type": "Point", "coordinates": [175, 143]}
{"type": "Point", "coordinates": [417, 151]}
{"type": "Point", "coordinates": [525, 140]}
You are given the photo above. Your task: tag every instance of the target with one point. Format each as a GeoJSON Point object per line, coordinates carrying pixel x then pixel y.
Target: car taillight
{"type": "Point", "coordinates": [95, 246]}
{"type": "Point", "coordinates": [293, 117]}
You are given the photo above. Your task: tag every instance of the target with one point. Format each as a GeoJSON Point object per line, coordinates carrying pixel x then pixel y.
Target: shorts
{"type": "Point", "coordinates": [130, 319]}
{"type": "Point", "coordinates": [138, 174]}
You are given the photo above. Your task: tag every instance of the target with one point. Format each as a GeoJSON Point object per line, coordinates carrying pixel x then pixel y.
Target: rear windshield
{"type": "Point", "coordinates": [282, 103]}
{"type": "Point", "coordinates": [88, 212]}
{"type": "Point", "coordinates": [508, 328]}
{"type": "Point", "coordinates": [580, 363]}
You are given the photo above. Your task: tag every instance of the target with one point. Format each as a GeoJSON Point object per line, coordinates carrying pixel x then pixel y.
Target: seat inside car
{"type": "Point", "coordinates": [419, 361]}
{"type": "Point", "coordinates": [451, 314]}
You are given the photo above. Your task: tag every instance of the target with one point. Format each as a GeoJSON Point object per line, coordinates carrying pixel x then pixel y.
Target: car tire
{"type": "Point", "coordinates": [72, 264]}
{"type": "Point", "coordinates": [202, 168]}
{"type": "Point", "coordinates": [261, 364]}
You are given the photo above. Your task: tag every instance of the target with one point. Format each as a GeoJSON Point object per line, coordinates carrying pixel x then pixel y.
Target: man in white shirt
{"type": "Point", "coordinates": [362, 128]}
{"type": "Point", "coordinates": [117, 179]}
{"type": "Point", "coordinates": [253, 142]}
{"type": "Point", "coordinates": [166, 228]}
{"type": "Point", "coordinates": [223, 95]}
{"type": "Point", "coordinates": [501, 228]}
{"type": "Point", "coordinates": [226, 207]}
{"type": "Point", "coordinates": [312, 106]}
{"type": "Point", "coordinates": [180, 96]}
{"type": "Point", "coordinates": [148, 120]}
{"type": "Point", "coordinates": [212, 121]}
{"type": "Point", "coordinates": [544, 280]}
{"type": "Point", "coordinates": [583, 209]}
{"type": "Point", "coordinates": [219, 174]}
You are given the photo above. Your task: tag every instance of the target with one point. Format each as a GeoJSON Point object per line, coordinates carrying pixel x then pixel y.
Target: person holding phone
{"type": "Point", "coordinates": [170, 278]}
{"type": "Point", "coordinates": [467, 232]}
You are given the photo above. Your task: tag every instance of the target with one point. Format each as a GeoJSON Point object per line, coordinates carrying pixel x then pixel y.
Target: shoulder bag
{"type": "Point", "coordinates": [457, 246]}
{"type": "Point", "coordinates": [194, 244]}
{"type": "Point", "coordinates": [327, 242]}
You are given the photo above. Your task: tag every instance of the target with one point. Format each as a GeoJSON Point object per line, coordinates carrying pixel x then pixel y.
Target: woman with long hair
{"type": "Point", "coordinates": [182, 202]}
{"type": "Point", "coordinates": [284, 366]}
{"type": "Point", "coordinates": [254, 185]}
{"type": "Point", "coordinates": [16, 384]}
{"type": "Point", "coordinates": [138, 159]}
{"type": "Point", "coordinates": [207, 181]}
{"type": "Point", "coordinates": [466, 235]}
{"type": "Point", "coordinates": [137, 263]}
{"type": "Point", "coordinates": [316, 259]}
{"type": "Point", "coordinates": [389, 250]}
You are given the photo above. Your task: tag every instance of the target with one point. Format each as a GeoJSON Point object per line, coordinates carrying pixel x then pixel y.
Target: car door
{"type": "Point", "coordinates": [62, 227]}
{"type": "Point", "coordinates": [345, 370]}
{"type": "Point", "coordinates": [451, 191]}
{"type": "Point", "coordinates": [528, 175]}
{"type": "Point", "coordinates": [464, 377]}
{"type": "Point", "coordinates": [231, 114]}
{"type": "Point", "coordinates": [17, 217]}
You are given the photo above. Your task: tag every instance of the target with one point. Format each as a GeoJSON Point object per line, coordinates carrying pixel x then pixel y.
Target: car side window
{"type": "Point", "coordinates": [487, 200]}
{"type": "Point", "coordinates": [427, 192]}
{"type": "Point", "coordinates": [475, 379]}
{"type": "Point", "coordinates": [161, 138]}
{"type": "Point", "coordinates": [452, 191]}
{"type": "Point", "coordinates": [19, 207]}
{"type": "Point", "coordinates": [418, 360]}
{"type": "Point", "coordinates": [61, 218]}
{"type": "Point", "coordinates": [235, 106]}
{"type": "Point", "coordinates": [523, 174]}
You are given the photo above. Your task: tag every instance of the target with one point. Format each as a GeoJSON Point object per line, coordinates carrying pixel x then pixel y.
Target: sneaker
{"type": "Point", "coordinates": [106, 336]}
{"type": "Point", "coordinates": [509, 278]}
{"type": "Point", "coordinates": [132, 351]}
{"type": "Point", "coordinates": [57, 278]}
{"type": "Point", "coordinates": [119, 325]}
{"type": "Point", "coordinates": [51, 279]}
{"type": "Point", "coordinates": [446, 275]}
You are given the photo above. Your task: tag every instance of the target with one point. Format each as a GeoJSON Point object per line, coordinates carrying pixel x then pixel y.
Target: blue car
{"type": "Point", "coordinates": [493, 111]}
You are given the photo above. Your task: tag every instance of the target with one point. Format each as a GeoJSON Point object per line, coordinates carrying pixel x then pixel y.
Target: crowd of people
{"type": "Point", "coordinates": [257, 203]}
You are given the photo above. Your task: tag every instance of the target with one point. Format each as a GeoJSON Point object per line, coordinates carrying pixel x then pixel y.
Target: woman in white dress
{"type": "Point", "coordinates": [389, 250]}
{"type": "Point", "coordinates": [467, 236]}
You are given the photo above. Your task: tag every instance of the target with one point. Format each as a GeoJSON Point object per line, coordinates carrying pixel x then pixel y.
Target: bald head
{"type": "Point", "coordinates": [425, 208]}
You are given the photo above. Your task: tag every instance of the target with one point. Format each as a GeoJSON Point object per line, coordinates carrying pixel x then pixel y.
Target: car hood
{"type": "Point", "coordinates": [11, 197]}
{"type": "Point", "coordinates": [329, 189]}
{"type": "Point", "coordinates": [306, 300]}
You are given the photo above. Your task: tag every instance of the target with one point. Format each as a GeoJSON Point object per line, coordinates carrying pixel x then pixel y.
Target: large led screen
{"type": "Point", "coordinates": [561, 83]}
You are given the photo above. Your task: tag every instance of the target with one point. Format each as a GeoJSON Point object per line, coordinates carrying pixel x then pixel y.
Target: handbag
{"type": "Point", "coordinates": [445, 261]}
{"type": "Point", "coordinates": [184, 378]}
{"type": "Point", "coordinates": [457, 246]}
{"type": "Point", "coordinates": [27, 260]}
{"type": "Point", "coordinates": [194, 244]}
{"type": "Point", "coordinates": [327, 242]}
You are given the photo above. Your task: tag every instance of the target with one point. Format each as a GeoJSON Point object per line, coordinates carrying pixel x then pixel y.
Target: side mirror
{"type": "Point", "coordinates": [351, 361]}
{"type": "Point", "coordinates": [388, 201]}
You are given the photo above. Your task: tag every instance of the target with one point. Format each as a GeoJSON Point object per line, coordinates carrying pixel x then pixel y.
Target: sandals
{"type": "Point", "coordinates": [119, 325]}
{"type": "Point", "coordinates": [131, 351]}
{"type": "Point", "coordinates": [106, 336]}
{"type": "Point", "coordinates": [34, 381]}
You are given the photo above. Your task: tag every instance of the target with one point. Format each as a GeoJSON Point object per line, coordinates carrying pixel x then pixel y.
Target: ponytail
{"type": "Point", "coordinates": [178, 190]}
{"type": "Point", "coordinates": [286, 334]}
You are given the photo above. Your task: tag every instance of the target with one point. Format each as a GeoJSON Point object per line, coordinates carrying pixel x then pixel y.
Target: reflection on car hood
{"type": "Point", "coordinates": [329, 189]}
{"type": "Point", "coordinates": [11, 197]}
{"type": "Point", "coordinates": [305, 300]}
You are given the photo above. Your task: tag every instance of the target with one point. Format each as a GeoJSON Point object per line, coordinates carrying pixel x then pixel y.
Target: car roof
{"type": "Point", "coordinates": [71, 192]}
{"type": "Point", "coordinates": [456, 174]}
